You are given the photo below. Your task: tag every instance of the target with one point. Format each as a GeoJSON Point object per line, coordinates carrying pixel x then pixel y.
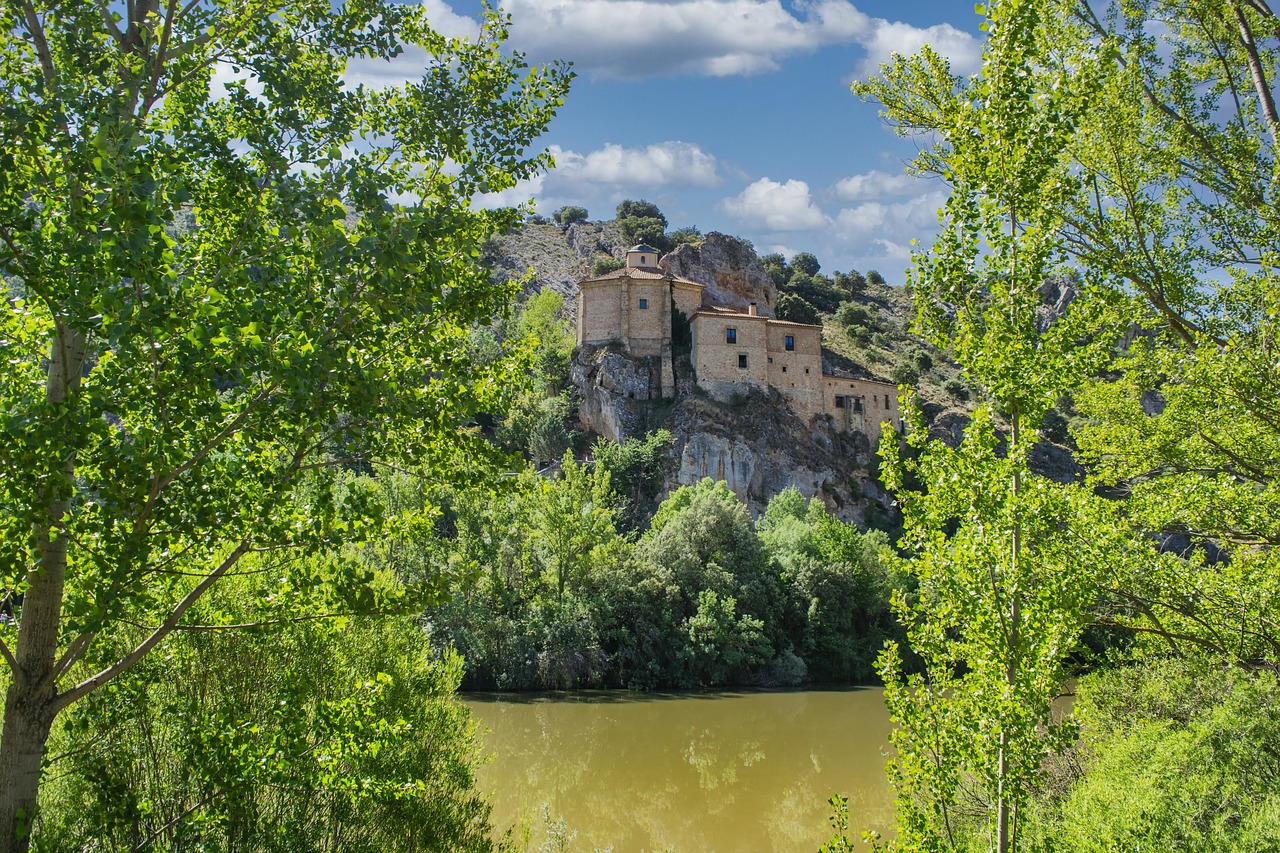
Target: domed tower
{"type": "Point", "coordinates": [642, 256]}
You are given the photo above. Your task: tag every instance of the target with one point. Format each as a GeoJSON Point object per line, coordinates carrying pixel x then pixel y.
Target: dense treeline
{"type": "Point", "coordinates": [701, 596]}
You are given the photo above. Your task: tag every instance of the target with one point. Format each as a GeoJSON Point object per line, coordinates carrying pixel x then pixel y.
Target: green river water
{"type": "Point", "coordinates": [689, 772]}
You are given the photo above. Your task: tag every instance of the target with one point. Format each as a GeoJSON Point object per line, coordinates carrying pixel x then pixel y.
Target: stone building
{"type": "Point", "coordinates": [632, 307]}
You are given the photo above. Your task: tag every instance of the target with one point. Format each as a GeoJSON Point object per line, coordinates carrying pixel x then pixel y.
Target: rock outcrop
{"type": "Point", "coordinates": [614, 387]}
{"type": "Point", "coordinates": [730, 271]}
{"type": "Point", "coordinates": [758, 448]}
{"type": "Point", "coordinates": [558, 257]}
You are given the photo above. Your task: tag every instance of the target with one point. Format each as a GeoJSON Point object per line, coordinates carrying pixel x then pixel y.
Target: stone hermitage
{"type": "Point", "coordinates": [632, 306]}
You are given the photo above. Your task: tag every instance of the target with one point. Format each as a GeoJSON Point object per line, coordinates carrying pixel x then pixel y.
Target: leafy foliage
{"type": "Point", "coordinates": [703, 598]}
{"type": "Point", "coordinates": [308, 736]}
{"type": "Point", "coordinates": [568, 215]}
{"type": "Point", "coordinates": [217, 286]}
{"type": "Point", "coordinates": [1140, 142]}
{"type": "Point", "coordinates": [796, 310]}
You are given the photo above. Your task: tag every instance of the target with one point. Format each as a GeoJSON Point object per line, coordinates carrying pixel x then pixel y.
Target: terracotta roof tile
{"type": "Point", "coordinates": [640, 273]}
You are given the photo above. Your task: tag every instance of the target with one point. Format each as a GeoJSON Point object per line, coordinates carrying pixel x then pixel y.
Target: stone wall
{"type": "Point", "coordinates": [718, 364]}
{"type": "Point", "coordinates": [688, 297]}
{"type": "Point", "coordinates": [612, 310]}
{"type": "Point", "coordinates": [866, 405]}
{"type": "Point", "coordinates": [797, 372]}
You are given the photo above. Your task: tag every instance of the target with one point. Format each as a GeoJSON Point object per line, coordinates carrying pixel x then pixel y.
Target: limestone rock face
{"type": "Point", "coordinates": [558, 257]}
{"type": "Point", "coordinates": [753, 472]}
{"type": "Point", "coordinates": [612, 385]}
{"type": "Point", "coordinates": [729, 270]}
{"type": "Point", "coordinates": [758, 448]}
{"type": "Point", "coordinates": [1056, 294]}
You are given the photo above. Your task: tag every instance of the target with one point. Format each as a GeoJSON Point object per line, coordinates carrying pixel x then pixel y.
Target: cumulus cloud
{"type": "Point", "coordinates": [912, 217]}
{"type": "Point", "coordinates": [671, 163]}
{"type": "Point", "coordinates": [875, 184]}
{"type": "Point", "coordinates": [773, 206]}
{"type": "Point", "coordinates": [964, 51]}
{"type": "Point", "coordinates": [648, 38]}
{"type": "Point", "coordinates": [633, 39]}
{"type": "Point", "coordinates": [612, 168]}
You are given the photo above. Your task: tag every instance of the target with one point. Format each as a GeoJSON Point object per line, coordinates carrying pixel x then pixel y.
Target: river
{"type": "Point", "coordinates": [688, 772]}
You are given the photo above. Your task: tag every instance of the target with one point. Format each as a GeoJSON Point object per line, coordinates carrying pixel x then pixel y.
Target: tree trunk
{"type": "Point", "coordinates": [27, 720]}
{"type": "Point", "coordinates": [29, 706]}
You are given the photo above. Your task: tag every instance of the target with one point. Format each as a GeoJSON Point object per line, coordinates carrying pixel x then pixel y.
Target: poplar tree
{"type": "Point", "coordinates": [230, 274]}
{"type": "Point", "coordinates": [1006, 560]}
{"type": "Point", "coordinates": [1136, 141]}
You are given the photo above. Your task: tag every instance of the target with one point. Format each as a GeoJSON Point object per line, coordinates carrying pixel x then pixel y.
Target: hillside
{"type": "Point", "coordinates": [755, 443]}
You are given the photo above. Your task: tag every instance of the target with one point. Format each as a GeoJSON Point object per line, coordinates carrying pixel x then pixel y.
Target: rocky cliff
{"type": "Point", "coordinates": [558, 257]}
{"type": "Point", "coordinates": [754, 443]}
{"type": "Point", "coordinates": [728, 268]}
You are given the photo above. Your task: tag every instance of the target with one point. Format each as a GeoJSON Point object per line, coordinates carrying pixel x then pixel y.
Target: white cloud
{"type": "Point", "coordinates": [912, 217]}
{"type": "Point", "coordinates": [655, 38]}
{"type": "Point", "coordinates": [449, 23]}
{"type": "Point", "coordinates": [612, 169]}
{"type": "Point", "coordinates": [771, 206]}
{"type": "Point", "coordinates": [875, 184]}
{"type": "Point", "coordinates": [642, 38]}
{"type": "Point", "coordinates": [648, 38]}
{"type": "Point", "coordinates": [888, 38]}
{"type": "Point", "coordinates": [671, 163]}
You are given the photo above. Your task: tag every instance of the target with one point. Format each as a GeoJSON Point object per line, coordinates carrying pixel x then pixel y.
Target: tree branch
{"type": "Point", "coordinates": [19, 674]}
{"type": "Point", "coordinates": [1265, 98]}
{"type": "Point", "coordinates": [175, 616]}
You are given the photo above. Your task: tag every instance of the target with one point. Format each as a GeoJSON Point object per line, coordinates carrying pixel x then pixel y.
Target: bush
{"type": "Point", "coordinates": [1176, 755]}
{"type": "Point", "coordinates": [1055, 427]}
{"type": "Point", "coordinates": [806, 263]}
{"type": "Point", "coordinates": [957, 390]}
{"type": "Point", "coordinates": [904, 373]}
{"type": "Point", "coordinates": [567, 215]}
{"type": "Point", "coordinates": [685, 235]}
{"type": "Point", "coordinates": [600, 266]}
{"type": "Point", "coordinates": [642, 222]}
{"type": "Point", "coordinates": [276, 739]}
{"type": "Point", "coordinates": [795, 309]}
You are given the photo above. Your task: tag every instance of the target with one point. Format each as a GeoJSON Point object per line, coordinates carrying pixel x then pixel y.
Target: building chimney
{"type": "Point", "coordinates": [751, 310]}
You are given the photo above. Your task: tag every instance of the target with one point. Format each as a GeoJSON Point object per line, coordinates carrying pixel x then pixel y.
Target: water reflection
{"type": "Point", "coordinates": [703, 772]}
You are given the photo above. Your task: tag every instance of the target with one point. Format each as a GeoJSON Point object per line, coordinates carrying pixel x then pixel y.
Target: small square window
{"type": "Point", "coordinates": [791, 342]}
{"type": "Point", "coordinates": [742, 361]}
{"type": "Point", "coordinates": [839, 402]}
{"type": "Point", "coordinates": [771, 359]}
{"type": "Point", "coordinates": [784, 368]}
{"type": "Point", "coordinates": [730, 336]}
{"type": "Point", "coordinates": [644, 304]}
{"type": "Point", "coordinates": [806, 370]}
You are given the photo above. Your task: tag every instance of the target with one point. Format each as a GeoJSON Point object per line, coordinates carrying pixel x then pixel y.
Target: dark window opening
{"type": "Point", "coordinates": [806, 370]}
{"type": "Point", "coordinates": [742, 361]}
{"type": "Point", "coordinates": [839, 402]}
{"type": "Point", "coordinates": [771, 359]}
{"type": "Point", "coordinates": [791, 342]}
{"type": "Point", "coordinates": [857, 404]}
{"type": "Point", "coordinates": [886, 401]}
{"type": "Point", "coordinates": [784, 368]}
{"type": "Point", "coordinates": [730, 336]}
{"type": "Point", "coordinates": [644, 304]}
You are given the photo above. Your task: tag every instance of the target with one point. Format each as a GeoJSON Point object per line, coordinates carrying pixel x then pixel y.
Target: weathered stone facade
{"type": "Point", "coordinates": [732, 351]}
{"type": "Point", "coordinates": [632, 307]}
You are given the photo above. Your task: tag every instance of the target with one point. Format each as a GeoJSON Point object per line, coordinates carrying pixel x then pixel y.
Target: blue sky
{"type": "Point", "coordinates": [736, 116]}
